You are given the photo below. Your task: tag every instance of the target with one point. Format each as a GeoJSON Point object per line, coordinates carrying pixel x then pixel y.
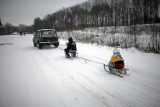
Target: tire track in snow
{"type": "Point", "coordinates": [144, 79]}
{"type": "Point", "coordinates": [141, 102]}
{"type": "Point", "coordinates": [143, 83]}
{"type": "Point", "coordinates": [97, 97]}
{"type": "Point", "coordinates": [78, 83]}
{"type": "Point", "coordinates": [116, 95]}
{"type": "Point", "coordinates": [89, 91]}
{"type": "Point", "coordinates": [82, 85]}
{"type": "Point", "coordinates": [100, 88]}
{"type": "Point", "coordinates": [44, 76]}
{"type": "Point", "coordinates": [143, 72]}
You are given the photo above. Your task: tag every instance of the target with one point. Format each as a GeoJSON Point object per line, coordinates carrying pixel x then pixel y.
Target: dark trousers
{"type": "Point", "coordinates": [66, 51]}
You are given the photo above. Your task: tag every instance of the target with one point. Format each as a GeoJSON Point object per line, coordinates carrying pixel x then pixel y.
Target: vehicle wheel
{"type": "Point", "coordinates": [40, 46]}
{"type": "Point", "coordinates": [34, 44]}
{"type": "Point", "coordinates": [56, 45]}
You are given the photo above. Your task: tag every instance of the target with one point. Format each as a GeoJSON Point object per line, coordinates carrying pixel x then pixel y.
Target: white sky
{"type": "Point", "coordinates": [24, 11]}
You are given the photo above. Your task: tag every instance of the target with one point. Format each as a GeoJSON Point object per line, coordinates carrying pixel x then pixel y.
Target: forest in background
{"type": "Point", "coordinates": [135, 16]}
{"type": "Point", "coordinates": [100, 13]}
{"type": "Point", "coordinates": [97, 13]}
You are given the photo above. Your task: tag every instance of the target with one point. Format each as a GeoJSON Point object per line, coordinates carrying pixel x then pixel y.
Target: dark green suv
{"type": "Point", "coordinates": [45, 37]}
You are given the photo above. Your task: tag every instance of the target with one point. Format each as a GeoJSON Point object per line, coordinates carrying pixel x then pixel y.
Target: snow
{"type": "Point", "coordinates": [30, 77]}
{"type": "Point", "coordinates": [143, 38]}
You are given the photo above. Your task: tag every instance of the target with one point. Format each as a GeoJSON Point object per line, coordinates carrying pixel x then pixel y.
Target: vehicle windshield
{"type": "Point", "coordinates": [49, 33]}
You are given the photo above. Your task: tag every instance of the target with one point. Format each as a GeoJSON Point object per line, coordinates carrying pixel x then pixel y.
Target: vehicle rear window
{"type": "Point", "coordinates": [50, 33]}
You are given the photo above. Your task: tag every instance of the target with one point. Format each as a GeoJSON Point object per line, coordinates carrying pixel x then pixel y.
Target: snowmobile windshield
{"type": "Point", "coordinates": [49, 33]}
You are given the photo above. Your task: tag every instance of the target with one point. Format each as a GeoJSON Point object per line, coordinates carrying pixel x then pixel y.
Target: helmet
{"type": "Point", "coordinates": [116, 51]}
{"type": "Point", "coordinates": [70, 39]}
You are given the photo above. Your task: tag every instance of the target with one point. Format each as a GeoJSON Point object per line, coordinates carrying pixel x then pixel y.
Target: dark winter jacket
{"type": "Point", "coordinates": [71, 45]}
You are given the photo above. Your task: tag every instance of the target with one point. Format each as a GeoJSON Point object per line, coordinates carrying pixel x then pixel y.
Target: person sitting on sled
{"type": "Point", "coordinates": [71, 46]}
{"type": "Point", "coordinates": [116, 62]}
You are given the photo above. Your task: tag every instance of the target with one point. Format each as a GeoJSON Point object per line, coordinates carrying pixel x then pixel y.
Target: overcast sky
{"type": "Point", "coordinates": [24, 11]}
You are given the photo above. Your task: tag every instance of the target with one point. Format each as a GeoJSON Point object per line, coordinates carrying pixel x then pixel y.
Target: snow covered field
{"type": "Point", "coordinates": [30, 77]}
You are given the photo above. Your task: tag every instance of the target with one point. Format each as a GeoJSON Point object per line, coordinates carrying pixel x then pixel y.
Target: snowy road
{"type": "Point", "coordinates": [30, 77]}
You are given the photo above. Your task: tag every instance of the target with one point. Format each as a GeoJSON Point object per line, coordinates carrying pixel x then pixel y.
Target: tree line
{"type": "Point", "coordinates": [105, 13]}
{"type": "Point", "coordinates": [96, 13]}
{"type": "Point", "coordinates": [110, 13]}
{"type": "Point", "coordinates": [99, 13]}
{"type": "Point", "coordinates": [8, 29]}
